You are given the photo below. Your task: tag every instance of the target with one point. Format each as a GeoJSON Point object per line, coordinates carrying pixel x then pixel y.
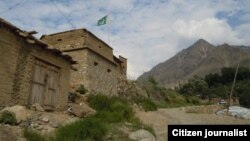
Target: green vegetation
{"type": "Point", "coordinates": [31, 135]}
{"type": "Point", "coordinates": [194, 86]}
{"type": "Point", "coordinates": [81, 89]}
{"type": "Point", "coordinates": [219, 85]}
{"type": "Point", "coordinates": [88, 129]}
{"type": "Point", "coordinates": [197, 88]}
{"type": "Point", "coordinates": [146, 103]}
{"type": "Point", "coordinates": [111, 109]}
{"type": "Point", "coordinates": [161, 97]}
{"type": "Point", "coordinates": [112, 113]}
{"type": "Point", "coordinates": [8, 118]}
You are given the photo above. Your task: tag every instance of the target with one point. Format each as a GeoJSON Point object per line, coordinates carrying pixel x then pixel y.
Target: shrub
{"type": "Point", "coordinates": [91, 129]}
{"type": "Point", "coordinates": [193, 100]}
{"type": "Point", "coordinates": [111, 109]}
{"type": "Point", "coordinates": [146, 103]}
{"type": "Point", "coordinates": [8, 118]}
{"type": "Point", "coordinates": [118, 112]}
{"type": "Point", "coordinates": [32, 135]}
{"type": "Point", "coordinates": [99, 102]}
{"type": "Point", "coordinates": [81, 89]}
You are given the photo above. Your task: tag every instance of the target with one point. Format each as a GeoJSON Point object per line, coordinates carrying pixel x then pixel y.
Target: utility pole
{"type": "Point", "coordinates": [232, 88]}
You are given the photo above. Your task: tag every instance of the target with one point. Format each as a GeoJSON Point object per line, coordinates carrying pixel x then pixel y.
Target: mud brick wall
{"type": "Point", "coordinates": [17, 66]}
{"type": "Point", "coordinates": [96, 69]}
{"type": "Point", "coordinates": [8, 57]}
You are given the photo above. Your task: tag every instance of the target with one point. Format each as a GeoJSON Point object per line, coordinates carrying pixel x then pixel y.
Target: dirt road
{"type": "Point", "coordinates": [162, 117]}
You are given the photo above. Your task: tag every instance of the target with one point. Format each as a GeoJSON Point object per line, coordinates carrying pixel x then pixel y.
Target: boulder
{"type": "Point", "coordinates": [54, 125]}
{"type": "Point", "coordinates": [45, 119]}
{"type": "Point", "coordinates": [81, 110]}
{"type": "Point", "coordinates": [141, 135]}
{"type": "Point", "coordinates": [37, 107]}
{"type": "Point", "coordinates": [20, 112]}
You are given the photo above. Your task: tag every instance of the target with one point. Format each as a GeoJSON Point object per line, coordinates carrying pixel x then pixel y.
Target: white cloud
{"type": "Point", "coordinates": [244, 31]}
{"type": "Point", "coordinates": [146, 32]}
{"type": "Point", "coordinates": [211, 29]}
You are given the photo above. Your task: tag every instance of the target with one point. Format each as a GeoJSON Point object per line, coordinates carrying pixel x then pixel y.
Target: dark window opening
{"type": "Point", "coordinates": [108, 70]}
{"type": "Point", "coordinates": [95, 63]}
{"type": "Point", "coordinates": [100, 46]}
{"type": "Point", "coordinates": [59, 39]}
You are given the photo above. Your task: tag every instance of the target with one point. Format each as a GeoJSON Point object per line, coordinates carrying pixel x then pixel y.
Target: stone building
{"type": "Point", "coordinates": [97, 68]}
{"type": "Point", "coordinates": [31, 71]}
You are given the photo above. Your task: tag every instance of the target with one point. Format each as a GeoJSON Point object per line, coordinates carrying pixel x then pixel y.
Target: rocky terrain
{"type": "Point", "coordinates": [199, 59]}
{"type": "Point", "coordinates": [39, 120]}
{"type": "Point", "coordinates": [47, 122]}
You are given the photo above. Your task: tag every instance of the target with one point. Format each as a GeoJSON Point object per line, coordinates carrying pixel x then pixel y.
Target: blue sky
{"type": "Point", "coordinates": [147, 32]}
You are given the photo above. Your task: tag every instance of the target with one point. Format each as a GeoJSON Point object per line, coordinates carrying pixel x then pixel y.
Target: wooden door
{"type": "Point", "coordinates": [44, 84]}
{"type": "Point", "coordinates": [51, 88]}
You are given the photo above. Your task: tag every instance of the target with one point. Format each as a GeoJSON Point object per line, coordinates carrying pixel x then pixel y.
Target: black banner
{"type": "Point", "coordinates": [208, 132]}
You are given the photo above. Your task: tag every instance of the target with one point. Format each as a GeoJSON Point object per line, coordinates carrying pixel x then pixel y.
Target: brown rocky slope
{"type": "Point", "coordinates": [199, 59]}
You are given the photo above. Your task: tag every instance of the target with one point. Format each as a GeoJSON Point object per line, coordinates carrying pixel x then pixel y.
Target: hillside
{"type": "Point", "coordinates": [199, 59]}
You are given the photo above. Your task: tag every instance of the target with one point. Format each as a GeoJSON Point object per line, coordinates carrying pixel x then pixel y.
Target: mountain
{"type": "Point", "coordinates": [199, 59]}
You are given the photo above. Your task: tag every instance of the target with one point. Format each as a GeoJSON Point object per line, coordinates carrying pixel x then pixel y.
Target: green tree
{"type": "Point", "coordinates": [242, 90]}
{"type": "Point", "coordinates": [227, 75]}
{"type": "Point", "coordinates": [194, 86]}
{"type": "Point", "coordinates": [213, 79]}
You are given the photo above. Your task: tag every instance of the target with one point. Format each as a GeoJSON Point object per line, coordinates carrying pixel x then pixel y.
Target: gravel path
{"type": "Point", "coordinates": [161, 118]}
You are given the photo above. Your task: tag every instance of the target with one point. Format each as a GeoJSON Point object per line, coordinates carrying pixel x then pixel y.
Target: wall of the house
{"type": "Point", "coordinates": [123, 66]}
{"type": "Point", "coordinates": [64, 74]}
{"type": "Point", "coordinates": [79, 39]}
{"type": "Point", "coordinates": [67, 40]}
{"type": "Point", "coordinates": [102, 75]}
{"type": "Point", "coordinates": [92, 72]}
{"type": "Point", "coordinates": [8, 60]}
{"type": "Point", "coordinates": [79, 76]}
{"type": "Point", "coordinates": [18, 70]}
{"type": "Point", "coordinates": [98, 46]}
{"type": "Point", "coordinates": [86, 49]}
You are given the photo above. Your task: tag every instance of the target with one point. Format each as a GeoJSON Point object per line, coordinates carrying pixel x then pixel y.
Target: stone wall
{"type": "Point", "coordinates": [8, 57]}
{"type": "Point", "coordinates": [99, 46]}
{"type": "Point", "coordinates": [97, 69]}
{"type": "Point", "coordinates": [23, 76]}
{"type": "Point", "coordinates": [79, 39]}
{"type": "Point", "coordinates": [79, 75]}
{"type": "Point", "coordinates": [17, 61]}
{"type": "Point", "coordinates": [66, 40]}
{"type": "Point", "coordinates": [102, 75]}
{"type": "Point", "coordinates": [123, 67]}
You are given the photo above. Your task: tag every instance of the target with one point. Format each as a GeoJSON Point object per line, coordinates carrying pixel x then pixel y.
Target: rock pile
{"type": "Point", "coordinates": [236, 111]}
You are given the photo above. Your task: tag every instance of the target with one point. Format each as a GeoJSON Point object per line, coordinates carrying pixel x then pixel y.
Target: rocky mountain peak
{"type": "Point", "coordinates": [199, 59]}
{"type": "Point", "coordinates": [201, 43]}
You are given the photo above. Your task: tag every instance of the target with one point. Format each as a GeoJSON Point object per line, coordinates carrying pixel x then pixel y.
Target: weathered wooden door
{"type": "Point", "coordinates": [44, 84]}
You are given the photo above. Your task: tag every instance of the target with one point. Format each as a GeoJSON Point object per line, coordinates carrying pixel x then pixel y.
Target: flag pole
{"type": "Point", "coordinates": [108, 27]}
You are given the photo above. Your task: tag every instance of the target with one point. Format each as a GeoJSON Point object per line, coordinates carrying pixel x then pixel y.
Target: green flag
{"type": "Point", "coordinates": [102, 21]}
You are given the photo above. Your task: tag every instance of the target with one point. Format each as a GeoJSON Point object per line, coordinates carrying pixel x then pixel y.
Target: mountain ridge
{"type": "Point", "coordinates": [198, 59]}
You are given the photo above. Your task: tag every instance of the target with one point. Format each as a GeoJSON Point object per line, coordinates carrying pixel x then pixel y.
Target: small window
{"type": "Point", "coordinates": [108, 70]}
{"type": "Point", "coordinates": [59, 39]}
{"type": "Point", "coordinates": [95, 63]}
{"type": "Point", "coordinates": [100, 46]}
